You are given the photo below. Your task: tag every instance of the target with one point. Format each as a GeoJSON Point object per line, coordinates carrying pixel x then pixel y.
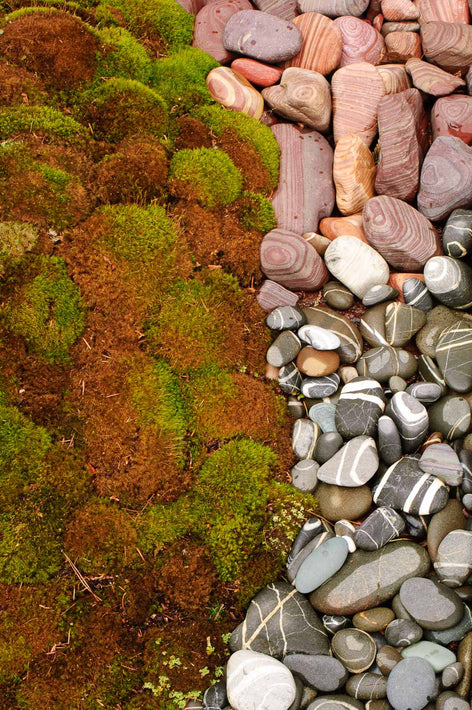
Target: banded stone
{"type": "Point", "coordinates": [354, 648]}
{"type": "Point", "coordinates": [356, 264]}
{"type": "Point", "coordinates": [411, 419]}
{"type": "Point", "coordinates": [351, 341]}
{"type": "Point", "coordinates": [442, 461]}
{"type": "Point", "coordinates": [379, 528]}
{"type": "Point", "coordinates": [334, 623]}
{"type": "Point", "coordinates": [334, 8]}
{"type": "Point", "coordinates": [361, 41]}
{"type": "Point", "coordinates": [319, 338]}
{"type": "Point", "coordinates": [361, 403]}
{"type": "Point", "coordinates": [379, 293]}
{"type": "Point", "coordinates": [399, 10]}
{"type": "Point", "coordinates": [272, 295]}
{"type": "Point", "coordinates": [285, 318]}
{"type": "Point", "coordinates": [300, 203]}
{"type": "Point", "coordinates": [337, 295]}
{"type": "Point", "coordinates": [357, 90]}
{"type": "Point", "coordinates": [256, 72]}
{"type": "Point", "coordinates": [303, 96]}
{"type": "Point", "coordinates": [304, 435]}
{"type": "Point", "coordinates": [401, 46]}
{"type": "Point", "coordinates": [256, 680]}
{"type": "Point", "coordinates": [287, 259]}
{"type": "Point", "coordinates": [309, 530]}
{"type": "Point", "coordinates": [390, 445]}
{"type": "Point", "coordinates": [417, 295]}
{"type": "Point", "coordinates": [399, 26]}
{"type": "Point", "coordinates": [319, 387]}
{"type": "Point", "coordinates": [445, 10]}
{"type": "Point", "coordinates": [334, 227]}
{"type": "Point", "coordinates": [404, 486]}
{"type": "Point", "coordinates": [452, 116]}
{"type": "Point", "coordinates": [338, 702]}
{"type": "Point", "coordinates": [259, 35]}
{"type": "Point", "coordinates": [430, 372]}
{"type": "Point", "coordinates": [402, 322]}
{"type": "Point", "coordinates": [209, 26]}
{"type": "Point", "coordinates": [450, 281]}
{"type": "Point", "coordinates": [394, 77]}
{"type": "Point", "coordinates": [397, 280]}
{"type": "Point", "coordinates": [431, 79]}
{"type": "Point", "coordinates": [425, 392]}
{"type": "Point", "coordinates": [432, 605]}
{"type": "Point", "coordinates": [353, 465]}
{"type": "Point", "coordinates": [383, 362]}
{"type": "Point", "coordinates": [372, 325]}
{"type": "Point", "coordinates": [290, 379]}
{"type": "Point", "coordinates": [457, 234]}
{"type": "Point", "coordinates": [453, 563]}
{"type": "Point", "coordinates": [322, 43]}
{"type": "Point", "coordinates": [353, 173]}
{"type": "Point", "coordinates": [286, 9]}
{"type": "Point", "coordinates": [404, 237]}
{"type": "Point", "coordinates": [232, 90]}
{"type": "Point", "coordinates": [447, 44]}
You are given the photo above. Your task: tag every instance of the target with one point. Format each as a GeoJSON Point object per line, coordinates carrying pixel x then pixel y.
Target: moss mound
{"type": "Point", "coordinates": [180, 78]}
{"type": "Point", "coordinates": [206, 175]}
{"type": "Point", "coordinates": [40, 120]}
{"type": "Point", "coordinates": [46, 311]}
{"type": "Point", "coordinates": [16, 238]}
{"type": "Point", "coordinates": [256, 212]}
{"type": "Point", "coordinates": [18, 84]}
{"type": "Point", "coordinates": [122, 56]}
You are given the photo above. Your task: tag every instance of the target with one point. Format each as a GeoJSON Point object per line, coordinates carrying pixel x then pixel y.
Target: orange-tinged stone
{"type": "Point", "coordinates": [397, 280]}
{"type": "Point", "coordinates": [317, 363]}
{"type": "Point", "coordinates": [257, 72]}
{"type": "Point", "coordinates": [443, 10]}
{"type": "Point", "coordinates": [401, 46]}
{"type": "Point", "coordinates": [232, 90]}
{"type": "Point", "coordinates": [209, 26]}
{"type": "Point", "coordinates": [394, 77]}
{"type": "Point", "coordinates": [353, 174]}
{"type": "Point", "coordinates": [399, 10]}
{"type": "Point", "coordinates": [333, 227]}
{"type": "Point", "coordinates": [357, 90]}
{"type": "Point", "coordinates": [322, 43]}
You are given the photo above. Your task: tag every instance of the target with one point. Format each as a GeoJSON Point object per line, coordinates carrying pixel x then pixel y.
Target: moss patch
{"type": "Point", "coordinates": [256, 212]}
{"type": "Point", "coordinates": [122, 56]}
{"type": "Point", "coordinates": [206, 175]}
{"type": "Point", "coordinates": [17, 86]}
{"type": "Point", "coordinates": [43, 120]}
{"type": "Point", "coordinates": [16, 238]}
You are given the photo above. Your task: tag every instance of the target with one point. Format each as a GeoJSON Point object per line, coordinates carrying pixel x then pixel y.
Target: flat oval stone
{"type": "Point", "coordinates": [383, 362]}
{"type": "Point", "coordinates": [317, 363]}
{"type": "Point", "coordinates": [323, 414]}
{"type": "Point", "coordinates": [284, 349]}
{"type": "Point", "coordinates": [280, 621]}
{"type": "Point", "coordinates": [450, 416]}
{"type": "Point", "coordinates": [351, 341]}
{"type": "Point", "coordinates": [337, 296]}
{"type": "Point", "coordinates": [442, 461]}
{"type": "Point", "coordinates": [272, 295]}
{"type": "Point", "coordinates": [290, 379]}
{"type": "Point", "coordinates": [304, 435]}
{"type": "Point", "coordinates": [335, 8]}
{"type": "Point", "coordinates": [297, 561]}
{"type": "Point", "coordinates": [453, 563]}
{"type": "Point", "coordinates": [368, 579]}
{"type": "Point", "coordinates": [361, 403]}
{"type": "Point", "coordinates": [256, 72]}
{"type": "Point", "coordinates": [387, 658]}
{"type": "Point", "coordinates": [321, 565]}
{"type": "Point", "coordinates": [431, 79]}
{"type": "Point", "coordinates": [336, 702]}
{"type": "Point", "coordinates": [449, 518]}
{"type": "Point", "coordinates": [356, 264]}
{"type": "Point", "coordinates": [209, 27]}
{"type": "Point", "coordinates": [285, 318]}
{"type": "Point", "coordinates": [403, 632]}
{"type": "Point", "coordinates": [337, 503]}
{"type": "Point", "coordinates": [376, 619]}
{"type": "Point", "coordinates": [416, 294]}
{"type": "Point", "coordinates": [425, 392]}
{"type": "Point", "coordinates": [437, 655]}
{"type": "Point", "coordinates": [450, 281]}
{"type": "Point", "coordinates": [354, 648]}
{"type": "Point", "coordinates": [327, 445]}
{"type": "Point", "coordinates": [411, 684]}
{"type": "Point", "coordinates": [453, 354]}
{"type": "Point", "coordinates": [405, 487]}
{"type": "Point", "coordinates": [334, 623]}
{"type": "Point", "coordinates": [402, 322]}
{"type": "Point", "coordinates": [233, 91]}
{"type": "Point", "coordinates": [411, 419]}
{"type": "Point", "coordinates": [262, 36]}
{"type": "Point", "coordinates": [372, 325]}
{"type": "Point", "coordinates": [324, 673]}
{"type": "Point", "coordinates": [304, 475]}
{"type": "Point", "coordinates": [319, 338]}
{"type": "Point", "coordinates": [379, 293]}
{"type": "Point", "coordinates": [353, 465]}
{"type": "Point", "coordinates": [457, 234]}
{"type": "Point", "coordinates": [381, 526]}
{"type": "Point", "coordinates": [389, 442]}
{"type": "Point", "coordinates": [432, 605]}
{"type": "Point", "coordinates": [287, 259]}
{"type": "Point", "coordinates": [256, 680]}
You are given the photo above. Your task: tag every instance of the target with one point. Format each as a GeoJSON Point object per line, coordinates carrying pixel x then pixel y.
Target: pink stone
{"type": "Point", "coordinates": [232, 90]}
{"type": "Point", "coordinates": [209, 26]}
{"type": "Point", "coordinates": [448, 44]}
{"type": "Point", "coordinates": [289, 260]}
{"type": "Point", "coordinates": [357, 90]}
{"type": "Point", "coordinates": [322, 43]}
{"type": "Point", "coordinates": [452, 116]}
{"type": "Point", "coordinates": [431, 79]}
{"type": "Point", "coordinates": [272, 295]}
{"type": "Point", "coordinates": [257, 72]}
{"type": "Point", "coordinates": [403, 45]}
{"type": "Point", "coordinates": [443, 10]}
{"type": "Point", "coordinates": [361, 42]}
{"type": "Point", "coordinates": [286, 9]}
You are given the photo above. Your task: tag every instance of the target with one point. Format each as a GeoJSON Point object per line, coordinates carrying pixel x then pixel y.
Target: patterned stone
{"type": "Point", "coordinates": [373, 620]}
{"type": "Point", "coordinates": [257, 72]}
{"type": "Point", "coordinates": [399, 26]}
{"type": "Point", "coordinates": [304, 436]}
{"type": "Point", "coordinates": [284, 349]}
{"type": "Point", "coordinates": [368, 579]}
{"type": "Point", "coordinates": [404, 237]}
{"type": "Point", "coordinates": [320, 672]}
{"type": "Point", "coordinates": [390, 445]}
{"type": "Point", "coordinates": [287, 259]}
{"type": "Point", "coordinates": [279, 621]}
{"type": "Point", "coordinates": [322, 43]}
{"type": "Point", "coordinates": [334, 227]}
{"type": "Point", "coordinates": [397, 280]}
{"type": "Point", "coordinates": [359, 407]}
{"type": "Point", "coordinates": [453, 563]}
{"type": "Point", "coordinates": [394, 77]}
{"type": "Point", "coordinates": [411, 419]}
{"type": "Point", "coordinates": [321, 565]}
{"type": "Point", "coordinates": [379, 293]}
{"type": "Point", "coordinates": [305, 193]}
{"type": "Point", "coordinates": [401, 46]}
{"type": "Point", "coordinates": [401, 122]}
{"type": "Point", "coordinates": [430, 372]}
{"type": "Point", "coordinates": [337, 503]}
{"type": "Point", "coordinates": [446, 178]}
{"type": "Point", "coordinates": [285, 318]}
{"type": "Point", "coordinates": [256, 680]}
{"type": "Point", "coordinates": [215, 696]}
{"type": "Point", "coordinates": [402, 322]}
{"type": "Point", "coordinates": [437, 320]}
{"type": "Point", "coordinates": [232, 90]}
{"type": "Point", "coordinates": [319, 387]}
{"type": "Point", "coordinates": [356, 264]}
{"type": "Point", "coordinates": [323, 414]}
{"type": "Point", "coordinates": [425, 392]}
{"type": "Point", "coordinates": [290, 379]}
{"type": "Point", "coordinates": [417, 295]}
{"type": "Point", "coordinates": [286, 9]}
{"type": "Point", "coordinates": [447, 44]}
{"type": "Point", "coordinates": [450, 281]}
{"type": "Point", "coordinates": [442, 461]}
{"type": "Point", "coordinates": [303, 96]}
{"type": "Point", "coordinates": [353, 174]}
{"type": "Point", "coordinates": [338, 702]}
{"type": "Point", "coordinates": [445, 10]}
{"type": "Point", "coordinates": [209, 27]}
{"type": "Point", "coordinates": [319, 338]}
{"type": "Point", "coordinates": [304, 475]}
{"type": "Point", "coordinates": [361, 41]}
{"type": "Point", "coordinates": [431, 79]}
{"type": "Point", "coordinates": [399, 10]}
{"type": "Point", "coordinates": [334, 8]}
{"type": "Point", "coordinates": [403, 632]}
{"type": "Point", "coordinates": [383, 362]}
{"type": "Point", "coordinates": [432, 605]}
{"type": "Point", "coordinates": [405, 487]}
{"type": "Point", "coordinates": [262, 36]}
{"type": "Point", "coordinates": [354, 648]}
{"type": "Point", "coordinates": [353, 465]}
{"type": "Point", "coordinates": [311, 529]}
{"type": "Point", "coordinates": [357, 90]}
{"type": "Point", "coordinates": [273, 295]}
{"type": "Point", "coordinates": [347, 332]}
{"type": "Point", "coordinates": [411, 684]}
{"type": "Point", "coordinates": [379, 528]}
{"type": "Point", "coordinates": [457, 234]}
{"type": "Point", "coordinates": [338, 296]}
{"type": "Point", "coordinates": [372, 325]}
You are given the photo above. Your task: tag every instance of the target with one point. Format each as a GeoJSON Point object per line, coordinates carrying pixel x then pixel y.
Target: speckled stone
{"type": "Point", "coordinates": [262, 36]}
{"type": "Point", "coordinates": [411, 419]}
{"type": "Point", "coordinates": [304, 475]}
{"type": "Point", "coordinates": [390, 445]}
{"type": "Point", "coordinates": [354, 648]}
{"type": "Point", "coordinates": [361, 403]}
{"type": "Point", "coordinates": [381, 526]}
{"type": "Point", "coordinates": [379, 293]}
{"type": "Point", "coordinates": [353, 465]}
{"type": "Point", "coordinates": [442, 461]}
{"type": "Point", "coordinates": [337, 295]}
{"type": "Point", "coordinates": [348, 333]}
{"type": "Point", "coordinates": [285, 318]}
{"type": "Point", "coordinates": [417, 295]}
{"type": "Point", "coordinates": [324, 673]}
{"type": "Point", "coordinates": [337, 502]}
{"type": "Point", "coordinates": [449, 518]}
{"type": "Point", "coordinates": [454, 355]}
{"type": "Point", "coordinates": [411, 684]}
{"type": "Point", "coordinates": [405, 487]}
{"type": "Point", "coordinates": [432, 605]}
{"type": "Point", "coordinates": [304, 435]}
{"type": "Point", "coordinates": [403, 632]}
{"type": "Point", "coordinates": [457, 234]}
{"type": "Point", "coordinates": [450, 416]}
{"type": "Point", "coordinates": [453, 563]}
{"type": "Point", "coordinates": [450, 281]}
{"type": "Point", "coordinates": [327, 445]}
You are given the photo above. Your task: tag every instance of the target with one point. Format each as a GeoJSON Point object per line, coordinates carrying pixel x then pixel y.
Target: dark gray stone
{"type": "Point", "coordinates": [294, 565]}
{"type": "Point", "coordinates": [381, 526]}
{"type": "Point", "coordinates": [425, 392]}
{"type": "Point", "coordinates": [372, 325]}
{"type": "Point", "coordinates": [387, 659]}
{"type": "Point", "coordinates": [338, 296]}
{"type": "Point", "coordinates": [290, 379]}
{"type": "Point", "coordinates": [442, 461]}
{"type": "Point", "coordinates": [379, 294]}
{"type": "Point", "coordinates": [284, 349]}
{"type": "Point", "coordinates": [323, 673]}
{"type": "Point", "coordinates": [390, 445]}
{"type": "Point", "coordinates": [214, 697]}
{"type": "Point", "coordinates": [285, 318]}
{"type": "Point", "coordinates": [432, 605]}
{"type": "Point", "coordinates": [411, 419]}
{"type": "Point", "coordinates": [353, 465]}
{"type": "Point", "coordinates": [319, 387]}
{"type": "Point", "coordinates": [403, 632]}
{"type": "Point", "coordinates": [457, 234]}
{"type": "Point", "coordinates": [402, 322]}
{"type": "Point", "coordinates": [450, 281]}
{"type": "Point", "coordinates": [417, 295]}
{"type": "Point", "coordinates": [361, 403]}
{"type": "Point", "coordinates": [333, 623]}
{"type": "Point", "coordinates": [355, 649]}
{"type": "Point", "coordinates": [430, 372]}
{"type": "Point", "coordinates": [327, 445]}
{"type": "Point", "coordinates": [404, 486]}
{"type": "Point", "coordinates": [382, 362]}
{"type": "Point", "coordinates": [311, 529]}
{"type": "Point", "coordinates": [450, 416]}
{"type": "Point", "coordinates": [367, 686]}
{"type": "Point", "coordinates": [454, 356]}
{"type": "Point", "coordinates": [453, 563]}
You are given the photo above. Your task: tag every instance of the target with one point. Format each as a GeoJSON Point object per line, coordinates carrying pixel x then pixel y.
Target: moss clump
{"type": "Point", "coordinates": [125, 107]}
{"type": "Point", "coordinates": [206, 175]}
{"type": "Point", "coordinates": [18, 84]}
{"type": "Point", "coordinates": [122, 56]}
{"type": "Point", "coordinates": [164, 20]}
{"type": "Point", "coordinates": [40, 120]}
{"type": "Point", "coordinates": [47, 310]}
{"type": "Point", "coordinates": [180, 78]}
{"type": "Point", "coordinates": [234, 129]}
{"type": "Point", "coordinates": [16, 238]}
{"type": "Point", "coordinates": [256, 212]}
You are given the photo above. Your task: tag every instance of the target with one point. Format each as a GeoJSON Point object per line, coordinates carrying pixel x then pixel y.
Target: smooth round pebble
{"type": "Point", "coordinates": [451, 701]}
{"type": "Point", "coordinates": [323, 673]}
{"type": "Point", "coordinates": [317, 363]}
{"type": "Point", "coordinates": [338, 296]}
{"type": "Point", "coordinates": [355, 649]}
{"type": "Point", "coordinates": [376, 619]}
{"type": "Point", "coordinates": [321, 565]}
{"type": "Point", "coordinates": [403, 632]}
{"type": "Point", "coordinates": [439, 656]}
{"type": "Point", "coordinates": [378, 294]}
{"type": "Point", "coordinates": [284, 349]}
{"type": "Point", "coordinates": [411, 684]}
{"type": "Point", "coordinates": [327, 445]}
{"type": "Point", "coordinates": [367, 686]}
{"type": "Point", "coordinates": [337, 502]}
{"type": "Point", "coordinates": [304, 476]}
{"type": "Point", "coordinates": [319, 338]}
{"type": "Point", "coordinates": [432, 605]}
{"type": "Point", "coordinates": [387, 658]}
{"type": "Point", "coordinates": [450, 416]}
{"type": "Point", "coordinates": [333, 623]}
{"type": "Point", "coordinates": [319, 387]}
{"type": "Point", "coordinates": [452, 675]}
{"type": "Point", "coordinates": [285, 318]}
{"type": "Point", "coordinates": [255, 680]}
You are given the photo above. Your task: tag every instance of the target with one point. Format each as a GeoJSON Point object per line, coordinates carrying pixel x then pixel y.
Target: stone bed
{"type": "Point", "coordinates": [376, 609]}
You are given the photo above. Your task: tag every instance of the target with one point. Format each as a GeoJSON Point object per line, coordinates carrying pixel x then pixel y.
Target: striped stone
{"type": "Point", "coordinates": [431, 79]}
{"type": "Point", "coordinates": [361, 42]}
{"type": "Point", "coordinates": [417, 295]}
{"type": "Point", "coordinates": [381, 526]}
{"type": "Point", "coordinates": [402, 322]}
{"type": "Point", "coordinates": [404, 486]}
{"type": "Point", "coordinates": [443, 10]}
{"type": "Point", "coordinates": [272, 295]}
{"type": "Point", "coordinates": [334, 8]}
{"type": "Point", "coordinates": [411, 419]}
{"type": "Point", "coordinates": [287, 259]}
{"type": "Point", "coordinates": [394, 77]}
{"type": "Point", "coordinates": [401, 46]}
{"type": "Point", "coordinates": [257, 680]}
{"type": "Point", "coordinates": [397, 280]}
{"type": "Point", "coordinates": [379, 293]}
{"type": "Point", "coordinates": [233, 91]}
{"type": "Point", "coordinates": [284, 349]}
{"type": "Point", "coordinates": [356, 264]}
{"type": "Point", "coordinates": [404, 237]}
{"type": "Point", "coordinates": [367, 686]}
{"type": "Point", "coordinates": [452, 116]}
{"type": "Point", "coordinates": [361, 403]}
{"type": "Point", "coordinates": [319, 338]}
{"type": "Point", "coordinates": [351, 341]}
{"type": "Point", "coordinates": [453, 563]}
{"type": "Point", "coordinates": [319, 387]}
{"type": "Point", "coordinates": [446, 178]}
{"type": "Point", "coordinates": [399, 10]}
{"type": "Point", "coordinates": [337, 296]}
{"type": "Point", "coordinates": [353, 174]}
{"type": "Point", "coordinates": [322, 43]}
{"type": "Point", "coordinates": [383, 362]}
{"type": "Point", "coordinates": [399, 26]}
{"type": "Point", "coordinates": [353, 465]}
{"type": "Point", "coordinates": [454, 356]}
{"type": "Point", "coordinates": [303, 96]}
{"type": "Point", "coordinates": [290, 379]}
{"type": "Point", "coordinates": [304, 436]}
{"type": "Point", "coordinates": [442, 461]}
{"type": "Point", "coordinates": [372, 325]}
{"type": "Point", "coordinates": [209, 26]}
{"type": "Point", "coordinates": [286, 9]}
{"type": "Point", "coordinates": [357, 90]}
{"type": "Point", "coordinates": [450, 416]}
{"type": "Point", "coordinates": [285, 318]}
{"type": "Point", "coordinates": [450, 281]}
{"type": "Point", "coordinates": [305, 193]}
{"type": "Point", "coordinates": [430, 372]}
{"type": "Point", "coordinates": [447, 44]}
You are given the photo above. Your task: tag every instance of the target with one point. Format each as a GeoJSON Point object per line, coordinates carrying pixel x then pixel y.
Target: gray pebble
{"type": "Point", "coordinates": [403, 632]}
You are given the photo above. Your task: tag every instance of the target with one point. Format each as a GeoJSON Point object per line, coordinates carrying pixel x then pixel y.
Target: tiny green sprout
{"type": "Point", "coordinates": [204, 671]}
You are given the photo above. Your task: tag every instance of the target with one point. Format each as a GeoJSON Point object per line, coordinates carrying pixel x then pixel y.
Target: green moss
{"type": "Point", "coordinates": [256, 212]}
{"type": "Point", "coordinates": [289, 509]}
{"type": "Point", "coordinates": [180, 78]}
{"type": "Point", "coordinates": [42, 120]}
{"type": "Point", "coordinates": [122, 56]}
{"type": "Point", "coordinates": [125, 107]}
{"type": "Point", "coordinates": [16, 238]}
{"type": "Point", "coordinates": [164, 18]}
{"type": "Point", "coordinates": [48, 311]}
{"type": "Point", "coordinates": [248, 130]}
{"type": "Point", "coordinates": [163, 524]}
{"type": "Point", "coordinates": [206, 175]}
{"type": "Point", "coordinates": [22, 11]}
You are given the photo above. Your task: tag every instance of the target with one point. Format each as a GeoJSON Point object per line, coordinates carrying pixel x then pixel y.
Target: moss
{"type": "Point", "coordinates": [40, 120]}
{"type": "Point", "coordinates": [206, 175]}
{"type": "Point", "coordinates": [247, 131]}
{"type": "Point", "coordinates": [180, 78]}
{"type": "Point", "coordinates": [165, 20]}
{"type": "Point", "coordinates": [125, 107]}
{"type": "Point", "coordinates": [22, 11]}
{"type": "Point", "coordinates": [256, 212]}
{"type": "Point", "coordinates": [288, 510]}
{"type": "Point", "coordinates": [19, 86]}
{"type": "Point", "coordinates": [122, 56]}
{"type": "Point", "coordinates": [164, 524]}
{"type": "Point", "coordinates": [48, 312]}
{"type": "Point", "coordinates": [16, 238]}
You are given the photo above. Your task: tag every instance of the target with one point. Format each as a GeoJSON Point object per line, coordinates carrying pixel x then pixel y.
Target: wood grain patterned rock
{"type": "Point", "coordinates": [404, 237]}
{"type": "Point", "coordinates": [303, 96]}
{"type": "Point", "coordinates": [361, 42]}
{"type": "Point", "coordinates": [447, 44]}
{"type": "Point", "coordinates": [431, 79]}
{"type": "Point", "coordinates": [287, 259]}
{"type": "Point", "coordinates": [353, 174]}
{"type": "Point", "coordinates": [333, 227]}
{"type": "Point", "coordinates": [232, 90]}
{"type": "Point", "coordinates": [402, 45]}
{"type": "Point", "coordinates": [446, 178]}
{"type": "Point", "coordinates": [210, 24]}
{"type": "Point", "coordinates": [257, 72]}
{"type": "Point", "coordinates": [272, 295]}
{"type": "Point", "coordinates": [356, 264]}
{"type": "Point", "coordinates": [388, 27]}
{"type": "Point", "coordinates": [443, 10]}
{"type": "Point", "coordinates": [305, 193]}
{"type": "Point", "coordinates": [394, 77]}
{"type": "Point", "coordinates": [286, 9]}
{"type": "Point", "coordinates": [322, 43]}
{"type": "Point", "coordinates": [262, 36]}
{"type": "Point", "coordinates": [452, 116]}
{"type": "Point", "coordinates": [400, 124]}
{"type": "Point", "coordinates": [399, 10]}
{"type": "Point", "coordinates": [334, 8]}
{"type": "Point", "coordinates": [255, 680]}
{"type": "Point", "coordinates": [357, 90]}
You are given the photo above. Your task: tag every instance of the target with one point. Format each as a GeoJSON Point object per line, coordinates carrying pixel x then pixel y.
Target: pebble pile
{"type": "Point", "coordinates": [376, 611]}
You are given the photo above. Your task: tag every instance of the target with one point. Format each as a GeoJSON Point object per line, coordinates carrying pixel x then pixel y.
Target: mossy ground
{"type": "Point", "coordinates": [134, 412]}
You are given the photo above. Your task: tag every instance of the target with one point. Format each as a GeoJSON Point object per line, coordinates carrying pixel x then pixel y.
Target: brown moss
{"type": "Point", "coordinates": [56, 46]}
{"type": "Point", "coordinates": [187, 577]}
{"type": "Point", "coordinates": [192, 133]}
{"type": "Point", "coordinates": [247, 159]}
{"type": "Point", "coordinates": [137, 172]}
{"type": "Point", "coordinates": [19, 86]}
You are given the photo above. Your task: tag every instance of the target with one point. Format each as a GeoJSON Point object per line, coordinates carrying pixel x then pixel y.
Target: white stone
{"type": "Point", "coordinates": [319, 338]}
{"type": "Point", "coordinates": [255, 681]}
{"type": "Point", "coordinates": [356, 264]}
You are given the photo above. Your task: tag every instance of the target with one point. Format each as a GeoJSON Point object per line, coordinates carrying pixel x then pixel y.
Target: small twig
{"type": "Point", "coordinates": [81, 578]}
